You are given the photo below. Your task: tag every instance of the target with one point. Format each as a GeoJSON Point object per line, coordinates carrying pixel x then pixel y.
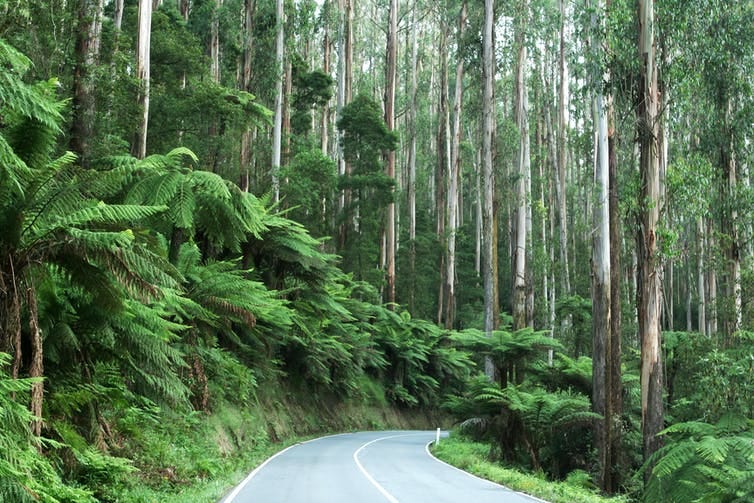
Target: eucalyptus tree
{"type": "Point", "coordinates": [143, 43]}
{"type": "Point", "coordinates": [247, 44]}
{"type": "Point", "coordinates": [602, 326]}
{"type": "Point", "coordinates": [391, 56]}
{"type": "Point", "coordinates": [489, 220]}
{"type": "Point", "coordinates": [522, 231]}
{"type": "Point", "coordinates": [650, 301]}
{"type": "Point", "coordinates": [454, 199]}
{"type": "Point", "coordinates": [277, 132]}
{"type": "Point", "coordinates": [365, 139]}
{"type": "Point", "coordinates": [88, 41]}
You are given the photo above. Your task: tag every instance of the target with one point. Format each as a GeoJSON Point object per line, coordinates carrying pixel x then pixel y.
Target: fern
{"type": "Point", "coordinates": [704, 462]}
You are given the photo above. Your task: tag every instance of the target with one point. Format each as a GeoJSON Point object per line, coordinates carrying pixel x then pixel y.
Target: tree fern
{"type": "Point", "coordinates": [704, 462]}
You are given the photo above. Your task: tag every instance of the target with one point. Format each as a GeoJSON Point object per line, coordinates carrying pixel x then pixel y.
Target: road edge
{"type": "Point", "coordinates": [429, 453]}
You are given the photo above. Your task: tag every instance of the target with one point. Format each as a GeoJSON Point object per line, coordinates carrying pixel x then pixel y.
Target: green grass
{"type": "Point", "coordinates": [473, 458]}
{"type": "Point", "coordinates": [199, 457]}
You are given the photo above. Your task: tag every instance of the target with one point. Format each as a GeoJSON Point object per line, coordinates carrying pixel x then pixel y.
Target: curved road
{"type": "Point", "coordinates": [366, 467]}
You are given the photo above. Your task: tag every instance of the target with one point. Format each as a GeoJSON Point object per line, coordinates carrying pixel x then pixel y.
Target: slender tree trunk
{"type": "Point", "coordinates": [184, 6]}
{"type": "Point", "coordinates": [345, 79]}
{"type": "Point", "coordinates": [214, 43]}
{"type": "Point", "coordinates": [118, 17]}
{"type": "Point", "coordinates": [88, 39]}
{"type": "Point", "coordinates": [701, 283]}
{"type": "Point", "coordinates": [522, 175]}
{"type": "Point", "coordinates": [443, 164]}
{"type": "Point", "coordinates": [277, 131]}
{"type": "Point", "coordinates": [651, 302]}
{"type": "Point", "coordinates": [601, 268]}
{"type": "Point", "coordinates": [479, 212]}
{"type": "Point", "coordinates": [390, 82]}
{"type": "Point", "coordinates": [326, 57]}
{"type": "Point", "coordinates": [615, 381]}
{"type": "Point", "coordinates": [712, 311]}
{"type": "Point", "coordinates": [489, 235]}
{"type": "Point", "coordinates": [730, 226]}
{"type": "Point", "coordinates": [36, 367]}
{"type": "Point", "coordinates": [455, 175]}
{"type": "Point", "coordinates": [412, 161]}
{"type": "Point", "coordinates": [139, 147]}
{"type": "Point", "coordinates": [246, 67]}
{"type": "Point", "coordinates": [560, 185]}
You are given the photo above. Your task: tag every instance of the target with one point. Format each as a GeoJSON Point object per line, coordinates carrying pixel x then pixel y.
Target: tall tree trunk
{"type": "Point", "coordinates": [701, 237]}
{"type": "Point", "coordinates": [412, 161]}
{"type": "Point", "coordinates": [143, 38]}
{"type": "Point", "coordinates": [324, 144]}
{"type": "Point", "coordinates": [443, 164]}
{"type": "Point", "coordinates": [345, 80]}
{"type": "Point", "coordinates": [712, 311]}
{"type": "Point", "coordinates": [522, 176]}
{"type": "Point", "coordinates": [390, 82]}
{"type": "Point", "coordinates": [730, 225]}
{"type": "Point", "coordinates": [455, 175]}
{"type": "Point", "coordinates": [246, 66]}
{"type": "Point", "coordinates": [277, 131]}
{"type": "Point", "coordinates": [615, 382]}
{"type": "Point", "coordinates": [601, 303]}
{"type": "Point", "coordinates": [651, 302]}
{"type": "Point", "coordinates": [560, 185]}
{"type": "Point", "coordinates": [489, 234]}
{"type": "Point", "coordinates": [214, 42]}
{"type": "Point", "coordinates": [606, 346]}
{"type": "Point", "coordinates": [118, 17]}
{"type": "Point", "coordinates": [184, 6]}
{"type": "Point", "coordinates": [88, 39]}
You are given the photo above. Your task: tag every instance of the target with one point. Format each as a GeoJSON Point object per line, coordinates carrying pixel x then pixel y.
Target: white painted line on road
{"type": "Point", "coordinates": [429, 453]}
{"type": "Point", "coordinates": [376, 484]}
{"type": "Point", "coordinates": [239, 487]}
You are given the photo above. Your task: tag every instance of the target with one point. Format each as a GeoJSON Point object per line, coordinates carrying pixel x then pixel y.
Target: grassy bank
{"type": "Point", "coordinates": [200, 457]}
{"type": "Point", "coordinates": [473, 457]}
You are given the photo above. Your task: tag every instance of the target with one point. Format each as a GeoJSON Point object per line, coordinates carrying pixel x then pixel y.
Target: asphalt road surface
{"type": "Point", "coordinates": [366, 467]}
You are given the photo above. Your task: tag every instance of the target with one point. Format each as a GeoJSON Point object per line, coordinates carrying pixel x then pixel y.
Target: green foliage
{"type": "Point", "coordinates": [25, 476]}
{"type": "Point", "coordinates": [311, 89]}
{"type": "Point", "coordinates": [310, 178]}
{"type": "Point", "coordinates": [474, 457]}
{"type": "Point", "coordinates": [546, 427]}
{"type": "Point", "coordinates": [577, 332]}
{"type": "Point", "coordinates": [509, 351]}
{"type": "Point", "coordinates": [706, 382]}
{"type": "Point", "coordinates": [704, 462]}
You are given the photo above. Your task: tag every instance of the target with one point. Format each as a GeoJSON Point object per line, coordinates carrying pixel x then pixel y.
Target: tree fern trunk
{"type": "Point", "coordinates": [36, 367]}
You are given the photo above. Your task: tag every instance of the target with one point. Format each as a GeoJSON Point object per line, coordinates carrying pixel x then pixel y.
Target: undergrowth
{"type": "Point", "coordinates": [473, 457]}
{"type": "Point", "coordinates": [200, 457]}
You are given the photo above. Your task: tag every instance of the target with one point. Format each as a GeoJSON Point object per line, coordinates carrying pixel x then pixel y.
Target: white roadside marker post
{"type": "Point", "coordinates": [437, 438]}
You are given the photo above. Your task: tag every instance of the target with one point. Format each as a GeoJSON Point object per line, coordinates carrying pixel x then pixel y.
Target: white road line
{"type": "Point", "coordinates": [229, 498]}
{"type": "Point", "coordinates": [376, 484]}
{"type": "Point", "coordinates": [429, 453]}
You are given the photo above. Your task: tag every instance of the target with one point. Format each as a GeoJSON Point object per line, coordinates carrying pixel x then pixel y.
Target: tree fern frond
{"type": "Point", "coordinates": [211, 184]}
{"type": "Point", "coordinates": [179, 153]}
{"type": "Point", "coordinates": [19, 98]}
{"type": "Point", "coordinates": [12, 170]}
{"type": "Point", "coordinates": [104, 214]}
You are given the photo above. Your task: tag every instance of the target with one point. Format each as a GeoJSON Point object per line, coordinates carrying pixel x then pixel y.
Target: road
{"type": "Point", "coordinates": [366, 467]}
